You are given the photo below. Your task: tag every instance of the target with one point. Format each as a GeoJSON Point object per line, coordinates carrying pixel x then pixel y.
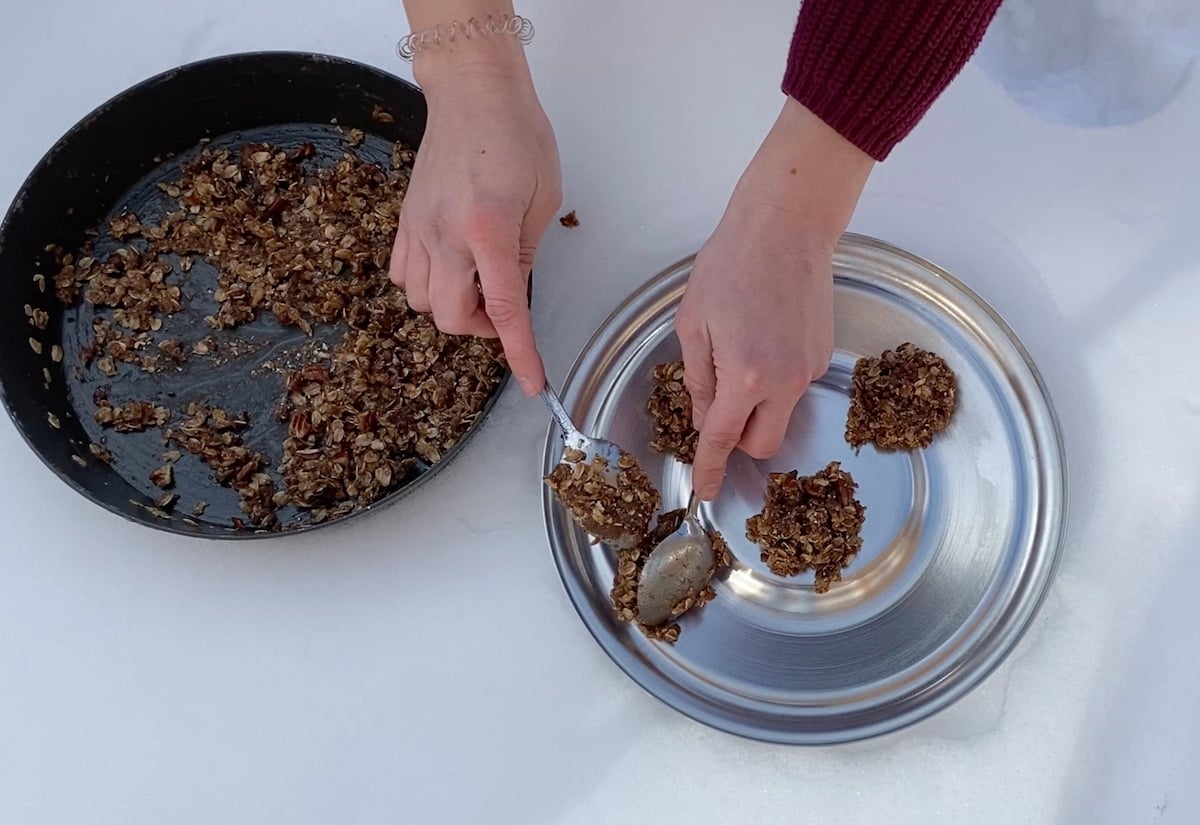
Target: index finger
{"type": "Point", "coordinates": [502, 280]}
{"type": "Point", "coordinates": [722, 430]}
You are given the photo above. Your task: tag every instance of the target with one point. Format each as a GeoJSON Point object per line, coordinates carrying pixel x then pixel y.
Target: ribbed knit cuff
{"type": "Point", "coordinates": [872, 68]}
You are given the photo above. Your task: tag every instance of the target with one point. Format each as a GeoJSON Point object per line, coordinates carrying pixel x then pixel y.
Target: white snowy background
{"type": "Point", "coordinates": [378, 673]}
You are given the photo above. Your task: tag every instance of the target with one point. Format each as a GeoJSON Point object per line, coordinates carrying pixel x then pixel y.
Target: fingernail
{"type": "Point", "coordinates": [527, 386]}
{"type": "Point", "coordinates": [708, 492]}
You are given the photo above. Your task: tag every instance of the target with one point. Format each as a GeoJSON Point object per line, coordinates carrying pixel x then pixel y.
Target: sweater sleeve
{"type": "Point", "coordinates": [872, 68]}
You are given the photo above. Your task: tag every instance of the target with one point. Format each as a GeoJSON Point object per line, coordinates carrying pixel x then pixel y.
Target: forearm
{"type": "Point", "coordinates": [494, 55]}
{"type": "Point", "coordinates": [422, 14]}
{"type": "Point", "coordinates": [808, 170]}
{"type": "Point", "coordinates": [872, 68]}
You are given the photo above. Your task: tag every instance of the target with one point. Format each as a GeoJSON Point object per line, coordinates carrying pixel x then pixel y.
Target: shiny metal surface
{"type": "Point", "coordinates": [960, 540]}
{"type": "Point", "coordinates": [592, 448]}
{"type": "Point", "coordinates": [573, 437]}
{"type": "Point", "coordinates": [677, 569]}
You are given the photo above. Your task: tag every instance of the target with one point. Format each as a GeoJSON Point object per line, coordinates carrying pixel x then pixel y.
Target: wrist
{"type": "Point", "coordinates": [467, 61]}
{"type": "Point", "coordinates": [424, 14]}
{"type": "Point", "coordinates": [454, 57]}
{"type": "Point", "coordinates": [805, 169]}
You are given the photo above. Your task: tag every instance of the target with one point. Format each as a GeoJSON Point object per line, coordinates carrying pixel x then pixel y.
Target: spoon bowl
{"type": "Point", "coordinates": [677, 569]}
{"type": "Point", "coordinates": [591, 448]}
{"type": "Point", "coordinates": [574, 438]}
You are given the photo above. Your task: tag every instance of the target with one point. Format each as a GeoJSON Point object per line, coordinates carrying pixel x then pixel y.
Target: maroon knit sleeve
{"type": "Point", "coordinates": [872, 68]}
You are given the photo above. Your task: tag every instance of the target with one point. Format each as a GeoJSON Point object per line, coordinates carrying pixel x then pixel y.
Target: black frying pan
{"type": "Point", "coordinates": [110, 162]}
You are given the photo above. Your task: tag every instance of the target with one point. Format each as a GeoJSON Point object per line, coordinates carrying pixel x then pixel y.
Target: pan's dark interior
{"type": "Point", "coordinates": [111, 162]}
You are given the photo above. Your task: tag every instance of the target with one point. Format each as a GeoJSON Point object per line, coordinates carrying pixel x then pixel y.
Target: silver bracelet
{"type": "Point", "coordinates": [514, 25]}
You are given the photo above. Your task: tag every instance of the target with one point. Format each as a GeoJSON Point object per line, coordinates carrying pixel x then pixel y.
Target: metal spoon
{"type": "Point", "coordinates": [677, 569]}
{"type": "Point", "coordinates": [573, 437]}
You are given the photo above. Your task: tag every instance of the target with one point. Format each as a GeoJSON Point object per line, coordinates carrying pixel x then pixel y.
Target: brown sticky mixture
{"type": "Point", "coordinates": [285, 238]}
{"type": "Point", "coordinates": [132, 281]}
{"type": "Point", "coordinates": [629, 570]}
{"type": "Point", "coordinates": [397, 393]}
{"type": "Point", "coordinates": [100, 452]}
{"type": "Point", "coordinates": [670, 406]}
{"type": "Point", "coordinates": [298, 242]}
{"type": "Point", "coordinates": [900, 400]}
{"type": "Point", "coordinates": [809, 522]}
{"type": "Point", "coordinates": [308, 245]}
{"type": "Point", "coordinates": [131, 417]}
{"type": "Point", "coordinates": [163, 476]}
{"type": "Point", "coordinates": [616, 511]}
{"type": "Point", "coordinates": [172, 349]}
{"type": "Point", "coordinates": [569, 220]}
{"type": "Point", "coordinates": [110, 345]}
{"type": "Point", "coordinates": [216, 437]}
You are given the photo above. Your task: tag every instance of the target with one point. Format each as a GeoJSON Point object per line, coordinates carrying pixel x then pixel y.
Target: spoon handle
{"type": "Point", "coordinates": [558, 411]}
{"type": "Point", "coordinates": [693, 506]}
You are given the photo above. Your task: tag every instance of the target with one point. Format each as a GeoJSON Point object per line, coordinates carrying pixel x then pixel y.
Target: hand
{"type": "Point", "coordinates": [756, 325]}
{"type": "Point", "coordinates": [756, 321]}
{"type": "Point", "coordinates": [485, 185]}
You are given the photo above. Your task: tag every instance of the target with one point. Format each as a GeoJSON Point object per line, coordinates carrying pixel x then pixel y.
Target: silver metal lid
{"type": "Point", "coordinates": [960, 541]}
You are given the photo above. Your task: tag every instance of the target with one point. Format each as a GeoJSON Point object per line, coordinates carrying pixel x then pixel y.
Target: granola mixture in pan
{"type": "Point", "coordinates": [309, 245]}
{"type": "Point", "coordinates": [131, 417]}
{"type": "Point", "coordinates": [216, 437]}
